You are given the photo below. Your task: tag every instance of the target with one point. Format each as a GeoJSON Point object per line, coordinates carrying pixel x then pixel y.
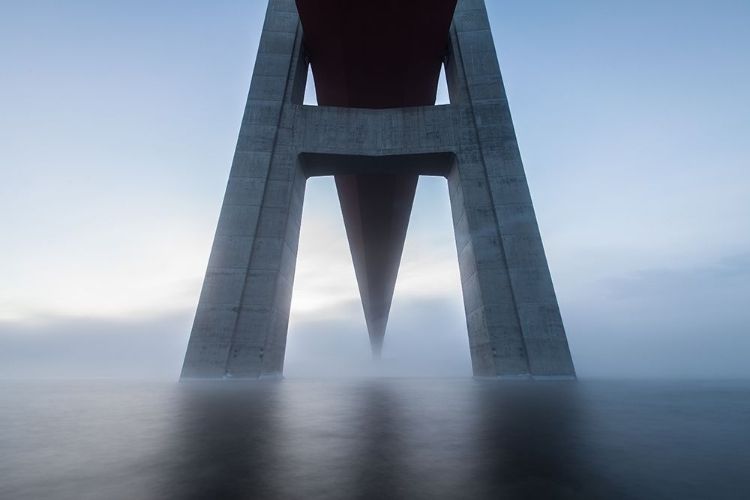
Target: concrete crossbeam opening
{"type": "Point", "coordinates": [376, 131]}
{"type": "Point", "coordinates": [310, 98]}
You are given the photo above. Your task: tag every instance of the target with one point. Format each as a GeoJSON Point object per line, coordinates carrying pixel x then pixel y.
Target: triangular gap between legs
{"type": "Point", "coordinates": [442, 89]}
{"type": "Point", "coordinates": [311, 97]}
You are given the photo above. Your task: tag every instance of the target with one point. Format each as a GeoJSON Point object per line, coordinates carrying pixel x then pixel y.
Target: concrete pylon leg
{"type": "Point", "coordinates": [514, 322]}
{"type": "Point", "coordinates": [377, 153]}
{"type": "Point", "coordinates": [241, 322]}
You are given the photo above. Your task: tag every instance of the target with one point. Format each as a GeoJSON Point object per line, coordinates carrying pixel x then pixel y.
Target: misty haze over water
{"type": "Point", "coordinates": [374, 438]}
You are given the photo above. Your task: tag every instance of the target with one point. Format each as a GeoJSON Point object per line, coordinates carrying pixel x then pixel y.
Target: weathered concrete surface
{"type": "Point", "coordinates": [514, 322]}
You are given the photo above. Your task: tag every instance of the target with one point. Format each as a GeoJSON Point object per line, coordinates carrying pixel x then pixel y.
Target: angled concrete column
{"type": "Point", "coordinates": [376, 67]}
{"type": "Point", "coordinates": [514, 322]}
{"type": "Point", "coordinates": [241, 322]}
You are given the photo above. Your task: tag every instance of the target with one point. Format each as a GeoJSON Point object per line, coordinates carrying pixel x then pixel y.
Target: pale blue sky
{"type": "Point", "coordinates": [117, 127]}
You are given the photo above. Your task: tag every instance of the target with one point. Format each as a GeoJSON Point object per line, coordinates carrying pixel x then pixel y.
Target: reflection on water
{"type": "Point", "coordinates": [224, 443]}
{"type": "Point", "coordinates": [374, 439]}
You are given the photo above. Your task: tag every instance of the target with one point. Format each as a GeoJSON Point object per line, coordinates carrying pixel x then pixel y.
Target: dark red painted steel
{"type": "Point", "coordinates": [376, 209]}
{"type": "Point", "coordinates": [376, 54]}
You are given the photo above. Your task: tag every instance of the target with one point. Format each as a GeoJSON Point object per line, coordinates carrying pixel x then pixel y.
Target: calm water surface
{"type": "Point", "coordinates": [374, 439]}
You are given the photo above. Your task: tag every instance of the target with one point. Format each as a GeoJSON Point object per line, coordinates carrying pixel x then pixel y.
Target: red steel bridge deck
{"type": "Point", "coordinates": [376, 54]}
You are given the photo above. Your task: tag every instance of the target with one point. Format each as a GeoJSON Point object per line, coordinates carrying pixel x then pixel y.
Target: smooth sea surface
{"type": "Point", "coordinates": [374, 439]}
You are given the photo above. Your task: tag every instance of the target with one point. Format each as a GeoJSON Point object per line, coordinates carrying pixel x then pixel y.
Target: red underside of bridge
{"type": "Point", "coordinates": [376, 54]}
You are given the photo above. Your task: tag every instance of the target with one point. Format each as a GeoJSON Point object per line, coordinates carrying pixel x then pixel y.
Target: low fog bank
{"type": "Point", "coordinates": [664, 322]}
{"type": "Point", "coordinates": [652, 324]}
{"type": "Point", "coordinates": [425, 338]}
{"type": "Point", "coordinates": [94, 348]}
